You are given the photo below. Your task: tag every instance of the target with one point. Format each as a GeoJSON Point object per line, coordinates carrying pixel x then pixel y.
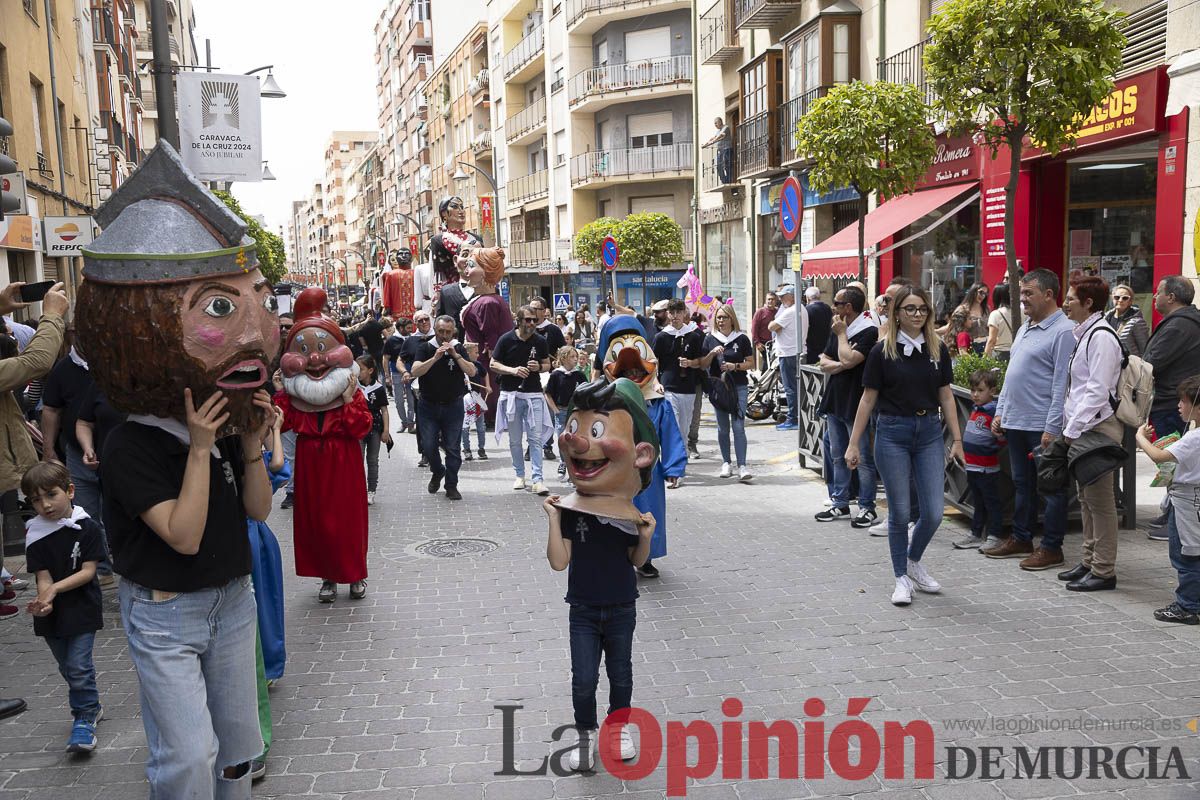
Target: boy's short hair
{"type": "Point", "coordinates": [985, 376]}
{"type": "Point", "coordinates": [675, 304]}
{"type": "Point", "coordinates": [1189, 389]}
{"type": "Point", "coordinates": [620, 395]}
{"type": "Point", "coordinates": [561, 355]}
{"type": "Point", "coordinates": [43, 476]}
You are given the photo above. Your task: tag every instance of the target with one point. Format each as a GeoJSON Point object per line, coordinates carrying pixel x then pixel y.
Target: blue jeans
{"type": "Point", "coordinates": [527, 427]}
{"type": "Point", "coordinates": [87, 495]}
{"type": "Point", "coordinates": [439, 427]}
{"type": "Point", "coordinates": [289, 453]}
{"type": "Point", "coordinates": [837, 438]}
{"type": "Point", "coordinates": [194, 656]}
{"type": "Point", "coordinates": [74, 657]}
{"type": "Point", "coordinates": [405, 400]}
{"type": "Point", "coordinates": [725, 420]}
{"type": "Point", "coordinates": [787, 374]}
{"type": "Point", "coordinates": [596, 630]}
{"type": "Point", "coordinates": [480, 434]}
{"type": "Point", "coordinates": [1025, 501]}
{"type": "Point", "coordinates": [370, 447]}
{"type": "Point", "coordinates": [989, 509]}
{"type": "Point", "coordinates": [560, 423]}
{"type": "Point", "coordinates": [1187, 594]}
{"type": "Point", "coordinates": [910, 450]}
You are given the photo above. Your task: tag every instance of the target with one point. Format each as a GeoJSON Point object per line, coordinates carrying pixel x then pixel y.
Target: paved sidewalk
{"type": "Point", "coordinates": [394, 696]}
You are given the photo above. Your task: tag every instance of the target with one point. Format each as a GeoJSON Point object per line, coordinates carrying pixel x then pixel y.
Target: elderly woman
{"type": "Point", "coordinates": [1127, 320]}
{"type": "Point", "coordinates": [487, 316]}
{"type": "Point", "coordinates": [1091, 382]}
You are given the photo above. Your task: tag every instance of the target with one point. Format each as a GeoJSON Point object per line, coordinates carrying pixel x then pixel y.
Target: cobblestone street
{"type": "Point", "coordinates": [395, 696]}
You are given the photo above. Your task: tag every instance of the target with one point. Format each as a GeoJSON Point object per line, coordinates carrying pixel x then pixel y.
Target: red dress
{"type": "Point", "coordinates": [398, 297]}
{"type": "Point", "coordinates": [329, 522]}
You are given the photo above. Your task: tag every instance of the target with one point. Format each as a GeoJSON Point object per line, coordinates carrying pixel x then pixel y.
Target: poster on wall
{"type": "Point", "coordinates": [220, 126]}
{"type": "Point", "coordinates": [1081, 242]}
{"type": "Point", "coordinates": [1116, 269]}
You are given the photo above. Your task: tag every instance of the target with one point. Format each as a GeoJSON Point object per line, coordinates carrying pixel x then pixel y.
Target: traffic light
{"type": "Point", "coordinates": [9, 202]}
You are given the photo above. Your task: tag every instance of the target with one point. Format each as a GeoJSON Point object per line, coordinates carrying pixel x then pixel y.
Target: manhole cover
{"type": "Point", "coordinates": [453, 548]}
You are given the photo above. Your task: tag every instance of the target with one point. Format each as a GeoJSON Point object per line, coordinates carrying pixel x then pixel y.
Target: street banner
{"type": "Point", "coordinates": [487, 219]}
{"type": "Point", "coordinates": [220, 126]}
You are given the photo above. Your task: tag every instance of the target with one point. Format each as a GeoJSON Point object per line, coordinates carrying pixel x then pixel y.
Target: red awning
{"type": "Point", "coordinates": [838, 255]}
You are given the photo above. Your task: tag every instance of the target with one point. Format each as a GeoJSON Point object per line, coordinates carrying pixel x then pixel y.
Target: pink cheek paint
{"type": "Point", "coordinates": [210, 337]}
{"type": "Point", "coordinates": [291, 364]}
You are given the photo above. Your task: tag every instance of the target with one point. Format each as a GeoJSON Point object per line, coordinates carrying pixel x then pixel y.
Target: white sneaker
{"type": "Point", "coordinates": [726, 470]}
{"type": "Point", "coordinates": [582, 757]}
{"type": "Point", "coordinates": [879, 528]}
{"type": "Point", "coordinates": [540, 488]}
{"type": "Point", "coordinates": [902, 596]}
{"type": "Point", "coordinates": [921, 578]}
{"type": "Point", "coordinates": [629, 750]}
{"type": "Point", "coordinates": [745, 475]}
{"type": "Point", "coordinates": [370, 498]}
{"type": "Point", "coordinates": [519, 485]}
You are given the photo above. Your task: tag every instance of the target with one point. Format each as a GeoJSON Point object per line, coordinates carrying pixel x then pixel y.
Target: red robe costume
{"type": "Point", "coordinates": [398, 296]}
{"type": "Point", "coordinates": [330, 516]}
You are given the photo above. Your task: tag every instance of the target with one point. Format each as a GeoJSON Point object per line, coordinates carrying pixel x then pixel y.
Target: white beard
{"type": "Point", "coordinates": [320, 393]}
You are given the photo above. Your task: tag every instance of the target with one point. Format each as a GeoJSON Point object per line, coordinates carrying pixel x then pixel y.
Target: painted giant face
{"type": "Point", "coordinates": [629, 356]}
{"type": "Point", "coordinates": [456, 214]}
{"type": "Point", "coordinates": [316, 368]}
{"type": "Point", "coordinates": [231, 323]}
{"type": "Point", "coordinates": [601, 454]}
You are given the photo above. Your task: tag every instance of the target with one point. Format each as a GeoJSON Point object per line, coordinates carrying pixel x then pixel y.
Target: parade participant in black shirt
{"type": "Point", "coordinates": [554, 340]}
{"type": "Point", "coordinates": [679, 348]}
{"type": "Point", "coordinates": [442, 368]}
{"type": "Point", "coordinates": [408, 357]}
{"type": "Point", "coordinates": [392, 373]}
{"type": "Point", "coordinates": [519, 359]}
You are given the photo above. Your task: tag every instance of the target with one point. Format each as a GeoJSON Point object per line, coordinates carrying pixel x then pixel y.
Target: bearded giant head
{"type": "Point", "coordinates": [625, 353]}
{"type": "Point", "coordinates": [173, 298]}
{"type": "Point", "coordinates": [316, 364]}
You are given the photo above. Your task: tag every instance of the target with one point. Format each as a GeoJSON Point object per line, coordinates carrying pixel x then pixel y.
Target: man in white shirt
{"type": "Point", "coordinates": [790, 327]}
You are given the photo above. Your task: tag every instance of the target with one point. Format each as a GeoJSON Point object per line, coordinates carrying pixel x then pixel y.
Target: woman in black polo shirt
{"type": "Point", "coordinates": [907, 379]}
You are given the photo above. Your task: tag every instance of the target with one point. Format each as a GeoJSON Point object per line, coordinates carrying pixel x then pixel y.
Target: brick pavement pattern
{"type": "Point", "coordinates": [394, 696]}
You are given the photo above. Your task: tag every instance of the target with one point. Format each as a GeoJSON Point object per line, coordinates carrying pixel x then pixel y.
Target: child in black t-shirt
{"type": "Point", "coordinates": [63, 545]}
{"type": "Point", "coordinates": [563, 382]}
{"type": "Point", "coordinates": [377, 401]}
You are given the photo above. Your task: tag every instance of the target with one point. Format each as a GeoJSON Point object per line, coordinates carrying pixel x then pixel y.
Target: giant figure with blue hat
{"type": "Point", "coordinates": [625, 353]}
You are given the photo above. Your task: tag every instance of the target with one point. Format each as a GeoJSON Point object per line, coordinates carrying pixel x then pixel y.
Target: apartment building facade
{"type": "Point", "coordinates": [460, 133]}
{"type": "Point", "coordinates": [403, 58]}
{"type": "Point", "coordinates": [117, 136]}
{"type": "Point", "coordinates": [181, 26]}
{"type": "Point", "coordinates": [593, 116]}
{"type": "Point", "coordinates": [340, 223]}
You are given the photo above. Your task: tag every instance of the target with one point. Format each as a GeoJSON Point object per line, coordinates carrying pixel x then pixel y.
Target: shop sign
{"type": "Point", "coordinates": [994, 204]}
{"type": "Point", "coordinates": [65, 236]}
{"type": "Point", "coordinates": [1132, 108]}
{"type": "Point", "coordinates": [16, 232]}
{"type": "Point", "coordinates": [768, 196]}
{"type": "Point", "coordinates": [726, 212]}
{"type": "Point", "coordinates": [955, 160]}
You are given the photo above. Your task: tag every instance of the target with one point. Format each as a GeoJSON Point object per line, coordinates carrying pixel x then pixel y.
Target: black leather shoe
{"type": "Point", "coordinates": [10, 708]}
{"type": "Point", "coordinates": [1091, 583]}
{"type": "Point", "coordinates": [435, 483]}
{"type": "Point", "coordinates": [452, 493]}
{"type": "Point", "coordinates": [1075, 573]}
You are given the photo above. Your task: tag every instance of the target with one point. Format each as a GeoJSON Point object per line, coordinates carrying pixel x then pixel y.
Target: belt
{"type": "Point", "coordinates": [922, 412]}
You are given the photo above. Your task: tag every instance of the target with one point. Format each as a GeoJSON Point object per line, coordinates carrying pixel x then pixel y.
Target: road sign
{"type": "Point", "coordinates": [562, 302]}
{"type": "Point", "coordinates": [610, 253]}
{"type": "Point", "coordinates": [502, 289]}
{"type": "Point", "coordinates": [789, 208]}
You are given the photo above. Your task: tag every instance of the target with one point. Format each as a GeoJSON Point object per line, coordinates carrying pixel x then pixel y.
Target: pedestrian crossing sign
{"type": "Point", "coordinates": [562, 302]}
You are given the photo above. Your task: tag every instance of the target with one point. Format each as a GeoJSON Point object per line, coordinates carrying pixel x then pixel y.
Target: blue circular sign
{"type": "Point", "coordinates": [610, 253]}
{"type": "Point", "coordinates": [789, 208]}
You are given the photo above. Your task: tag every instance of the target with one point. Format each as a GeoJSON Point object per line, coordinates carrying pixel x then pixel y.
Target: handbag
{"type": "Point", "coordinates": [723, 395]}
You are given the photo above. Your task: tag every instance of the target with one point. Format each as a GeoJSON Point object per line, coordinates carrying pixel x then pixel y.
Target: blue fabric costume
{"type": "Point", "coordinates": [627, 332]}
{"type": "Point", "coordinates": [267, 574]}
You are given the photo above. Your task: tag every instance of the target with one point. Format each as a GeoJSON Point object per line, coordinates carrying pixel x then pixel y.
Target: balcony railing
{"type": "Point", "coordinates": [578, 9]}
{"type": "Point", "coordinates": [718, 166]}
{"type": "Point", "coordinates": [907, 66]}
{"type": "Point", "coordinates": [526, 120]}
{"type": "Point", "coordinates": [626, 77]}
{"type": "Point", "coordinates": [718, 41]}
{"type": "Point", "coordinates": [525, 51]}
{"type": "Point", "coordinates": [757, 140]}
{"type": "Point", "coordinates": [604, 165]}
{"type": "Point", "coordinates": [529, 254]}
{"type": "Point", "coordinates": [762, 13]}
{"type": "Point", "coordinates": [479, 83]}
{"type": "Point", "coordinates": [529, 187]}
{"type": "Point", "coordinates": [482, 143]}
{"type": "Point", "coordinates": [790, 115]}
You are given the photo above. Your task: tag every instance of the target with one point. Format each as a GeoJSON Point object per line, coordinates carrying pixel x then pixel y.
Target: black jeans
{"type": "Point", "coordinates": [989, 509]}
{"type": "Point", "coordinates": [596, 630]}
{"type": "Point", "coordinates": [440, 427]}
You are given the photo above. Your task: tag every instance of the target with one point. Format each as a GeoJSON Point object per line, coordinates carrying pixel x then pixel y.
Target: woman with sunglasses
{"type": "Point", "coordinates": [907, 380]}
{"type": "Point", "coordinates": [1127, 320]}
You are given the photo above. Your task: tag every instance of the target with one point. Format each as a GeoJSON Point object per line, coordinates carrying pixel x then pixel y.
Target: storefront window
{"type": "Point", "coordinates": [725, 275]}
{"type": "Point", "coordinates": [944, 261]}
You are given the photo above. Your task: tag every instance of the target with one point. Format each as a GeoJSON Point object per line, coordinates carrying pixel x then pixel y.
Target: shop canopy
{"type": "Point", "coordinates": [838, 255]}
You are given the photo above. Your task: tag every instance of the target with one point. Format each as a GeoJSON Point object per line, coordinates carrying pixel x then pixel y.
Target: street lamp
{"type": "Point", "coordinates": [416, 223]}
{"type": "Point", "coordinates": [269, 87]}
{"type": "Point", "coordinates": [460, 175]}
{"type": "Point", "coordinates": [267, 174]}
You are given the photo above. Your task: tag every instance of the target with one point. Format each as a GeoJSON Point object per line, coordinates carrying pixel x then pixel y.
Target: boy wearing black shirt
{"type": "Point", "coordinates": [62, 548]}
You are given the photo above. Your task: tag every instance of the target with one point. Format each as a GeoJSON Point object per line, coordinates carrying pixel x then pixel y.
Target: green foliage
{"type": "Point", "coordinates": [969, 361]}
{"type": "Point", "coordinates": [272, 258]}
{"type": "Point", "coordinates": [647, 241]}
{"type": "Point", "coordinates": [1023, 67]}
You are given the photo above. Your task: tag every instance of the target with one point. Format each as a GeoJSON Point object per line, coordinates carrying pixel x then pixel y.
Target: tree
{"type": "Point", "coordinates": [1011, 69]}
{"type": "Point", "coordinates": [272, 258]}
{"type": "Point", "coordinates": [872, 137]}
{"type": "Point", "coordinates": [648, 240]}
{"type": "Point", "coordinates": [590, 237]}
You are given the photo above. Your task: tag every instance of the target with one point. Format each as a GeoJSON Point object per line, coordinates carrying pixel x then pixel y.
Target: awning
{"type": "Point", "coordinates": [838, 255]}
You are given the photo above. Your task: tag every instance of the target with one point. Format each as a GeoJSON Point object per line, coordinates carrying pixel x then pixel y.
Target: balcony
{"type": "Point", "coordinates": [762, 13]}
{"type": "Point", "coordinates": [588, 16]}
{"type": "Point", "coordinates": [528, 255]}
{"type": "Point", "coordinates": [525, 125]}
{"type": "Point", "coordinates": [607, 167]}
{"type": "Point", "coordinates": [689, 244]}
{"type": "Point", "coordinates": [715, 176]}
{"type": "Point", "coordinates": [520, 63]}
{"type": "Point", "coordinates": [907, 66]}
{"type": "Point", "coordinates": [595, 88]}
{"type": "Point", "coordinates": [479, 83]}
{"type": "Point", "coordinates": [482, 145]}
{"type": "Point", "coordinates": [757, 146]}
{"type": "Point", "coordinates": [718, 40]}
{"type": "Point", "coordinates": [529, 187]}
{"type": "Point", "coordinates": [790, 115]}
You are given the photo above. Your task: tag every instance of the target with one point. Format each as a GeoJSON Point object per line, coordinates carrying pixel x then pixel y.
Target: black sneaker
{"type": "Point", "coordinates": [467, 455]}
{"type": "Point", "coordinates": [548, 454]}
{"type": "Point", "coordinates": [422, 463]}
{"type": "Point", "coordinates": [483, 455]}
{"type": "Point", "coordinates": [1157, 535]}
{"type": "Point", "coordinates": [435, 483]}
{"type": "Point", "coordinates": [1158, 522]}
{"type": "Point", "coordinates": [865, 519]}
{"type": "Point", "coordinates": [288, 501]}
{"type": "Point", "coordinates": [452, 493]}
{"type": "Point", "coordinates": [327, 593]}
{"type": "Point", "coordinates": [831, 514]}
{"type": "Point", "coordinates": [648, 570]}
{"type": "Point", "coordinates": [1177, 613]}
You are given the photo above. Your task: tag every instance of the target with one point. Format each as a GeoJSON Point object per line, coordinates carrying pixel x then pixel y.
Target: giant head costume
{"type": "Point", "coordinates": [173, 298]}
{"type": "Point", "coordinates": [452, 240]}
{"type": "Point", "coordinates": [625, 353]}
{"type": "Point", "coordinates": [316, 363]}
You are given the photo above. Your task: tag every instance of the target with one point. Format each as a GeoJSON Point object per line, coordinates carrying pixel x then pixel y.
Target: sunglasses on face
{"type": "Point", "coordinates": [529, 319]}
{"type": "Point", "coordinates": [1121, 298]}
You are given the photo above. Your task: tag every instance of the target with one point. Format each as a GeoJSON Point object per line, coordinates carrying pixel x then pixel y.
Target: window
{"type": "Point", "coordinates": [602, 207]}
{"type": "Point", "coordinates": [560, 148]}
{"type": "Point", "coordinates": [35, 94]}
{"type": "Point", "coordinates": [812, 61]}
{"type": "Point", "coordinates": [564, 228]}
{"type": "Point", "coordinates": [602, 54]}
{"type": "Point", "coordinates": [647, 45]}
{"type": "Point", "coordinates": [651, 140]}
{"type": "Point", "coordinates": [754, 90]}
{"type": "Point", "coordinates": [651, 130]}
{"type": "Point", "coordinates": [841, 53]}
{"type": "Point", "coordinates": [30, 8]}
